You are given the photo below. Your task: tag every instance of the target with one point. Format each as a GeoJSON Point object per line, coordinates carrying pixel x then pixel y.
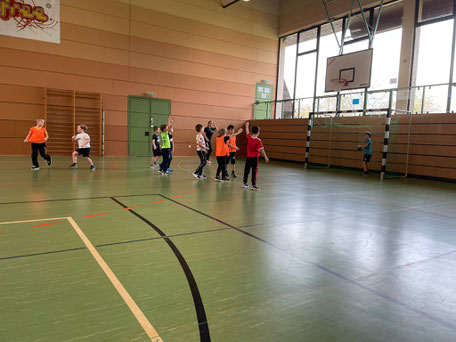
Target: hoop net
{"type": "Point", "coordinates": [340, 81]}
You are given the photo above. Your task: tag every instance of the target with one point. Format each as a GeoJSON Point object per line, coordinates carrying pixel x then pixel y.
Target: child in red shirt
{"type": "Point", "coordinates": [38, 136]}
{"type": "Point", "coordinates": [254, 148]}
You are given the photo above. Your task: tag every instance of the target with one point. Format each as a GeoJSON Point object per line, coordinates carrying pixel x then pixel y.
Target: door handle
{"type": "Point", "coordinates": [151, 122]}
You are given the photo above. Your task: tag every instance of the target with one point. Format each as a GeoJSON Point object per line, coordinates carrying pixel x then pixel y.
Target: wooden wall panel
{"type": "Point", "coordinates": [206, 60]}
{"type": "Point", "coordinates": [432, 151]}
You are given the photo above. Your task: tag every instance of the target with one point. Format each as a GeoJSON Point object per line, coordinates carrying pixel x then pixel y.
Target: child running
{"type": "Point", "coordinates": [156, 147]}
{"type": "Point", "coordinates": [232, 148]}
{"type": "Point", "coordinates": [201, 150]}
{"type": "Point", "coordinates": [367, 146]}
{"type": "Point", "coordinates": [38, 136]}
{"type": "Point", "coordinates": [165, 149]}
{"type": "Point", "coordinates": [221, 152]}
{"type": "Point", "coordinates": [254, 148]}
{"type": "Point", "coordinates": [83, 140]}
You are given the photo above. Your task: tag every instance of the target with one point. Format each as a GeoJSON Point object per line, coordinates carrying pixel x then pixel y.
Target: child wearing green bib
{"type": "Point", "coordinates": [165, 143]}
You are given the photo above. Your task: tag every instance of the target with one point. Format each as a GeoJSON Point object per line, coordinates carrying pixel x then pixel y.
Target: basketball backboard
{"type": "Point", "coordinates": [349, 71]}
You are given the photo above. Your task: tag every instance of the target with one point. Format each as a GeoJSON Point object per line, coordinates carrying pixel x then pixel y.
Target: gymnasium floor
{"type": "Point", "coordinates": [318, 255]}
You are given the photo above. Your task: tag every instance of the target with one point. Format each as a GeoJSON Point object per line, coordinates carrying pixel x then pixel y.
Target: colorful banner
{"type": "Point", "coordinates": [32, 19]}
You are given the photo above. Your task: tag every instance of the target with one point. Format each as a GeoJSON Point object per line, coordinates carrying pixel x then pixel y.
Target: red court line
{"type": "Point", "coordinates": [47, 224]}
{"type": "Point", "coordinates": [131, 208]}
{"type": "Point", "coordinates": [178, 196]}
{"type": "Point", "coordinates": [158, 201]}
{"type": "Point", "coordinates": [204, 187]}
{"type": "Point", "coordinates": [194, 190]}
{"type": "Point", "coordinates": [95, 215]}
{"type": "Point", "coordinates": [61, 179]}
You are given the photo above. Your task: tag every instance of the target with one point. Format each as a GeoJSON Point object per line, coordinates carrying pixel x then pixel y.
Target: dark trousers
{"type": "Point", "coordinates": [221, 162]}
{"type": "Point", "coordinates": [202, 156]}
{"type": "Point", "coordinates": [209, 152]}
{"type": "Point", "coordinates": [166, 154]}
{"type": "Point", "coordinates": [251, 163]}
{"type": "Point", "coordinates": [42, 149]}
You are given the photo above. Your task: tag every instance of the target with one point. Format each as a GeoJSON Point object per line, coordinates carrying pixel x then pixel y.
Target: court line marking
{"type": "Point", "coordinates": [142, 319]}
{"type": "Point", "coordinates": [47, 224]}
{"type": "Point", "coordinates": [90, 216]}
{"type": "Point", "coordinates": [36, 220]}
{"type": "Point", "coordinates": [203, 325]}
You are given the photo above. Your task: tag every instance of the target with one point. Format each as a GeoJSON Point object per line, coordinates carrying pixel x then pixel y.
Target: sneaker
{"type": "Point", "coordinates": [166, 173]}
{"type": "Point", "coordinates": [233, 174]}
{"type": "Point", "coordinates": [245, 186]}
{"type": "Point", "coordinates": [74, 165]}
{"type": "Point", "coordinates": [153, 166]}
{"type": "Point", "coordinates": [203, 177]}
{"type": "Point", "coordinates": [50, 161]}
{"type": "Point", "coordinates": [35, 168]}
{"type": "Point", "coordinates": [254, 188]}
{"type": "Point", "coordinates": [92, 168]}
{"type": "Point", "coordinates": [169, 170]}
{"type": "Point", "coordinates": [217, 179]}
{"type": "Point", "coordinates": [226, 179]}
{"type": "Point", "coordinates": [209, 162]}
{"type": "Point", "coordinates": [195, 175]}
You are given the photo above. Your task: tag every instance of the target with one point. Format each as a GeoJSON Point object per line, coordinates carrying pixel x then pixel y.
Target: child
{"type": "Point", "coordinates": [232, 148]}
{"type": "Point", "coordinates": [165, 148]}
{"type": "Point", "coordinates": [220, 152]}
{"type": "Point", "coordinates": [201, 150]}
{"type": "Point", "coordinates": [156, 147]}
{"type": "Point", "coordinates": [38, 136]}
{"type": "Point", "coordinates": [208, 132]}
{"type": "Point", "coordinates": [254, 148]}
{"type": "Point", "coordinates": [171, 141]}
{"type": "Point", "coordinates": [83, 140]}
{"type": "Point", "coordinates": [367, 146]}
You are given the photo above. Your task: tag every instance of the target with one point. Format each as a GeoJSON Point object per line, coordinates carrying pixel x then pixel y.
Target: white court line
{"type": "Point", "coordinates": [28, 221]}
{"type": "Point", "coordinates": [142, 319]}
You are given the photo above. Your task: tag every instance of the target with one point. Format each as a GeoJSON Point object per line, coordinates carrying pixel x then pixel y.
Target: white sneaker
{"type": "Point", "coordinates": [245, 186]}
{"type": "Point", "coordinates": [209, 162]}
{"type": "Point", "coordinates": [195, 175]}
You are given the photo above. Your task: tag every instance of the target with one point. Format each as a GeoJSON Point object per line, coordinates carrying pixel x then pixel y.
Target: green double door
{"type": "Point", "coordinates": [143, 114]}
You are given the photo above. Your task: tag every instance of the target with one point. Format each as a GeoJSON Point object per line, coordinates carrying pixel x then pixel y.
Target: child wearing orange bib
{"type": "Point", "coordinates": [232, 148]}
{"type": "Point", "coordinates": [221, 153]}
{"type": "Point", "coordinates": [38, 136]}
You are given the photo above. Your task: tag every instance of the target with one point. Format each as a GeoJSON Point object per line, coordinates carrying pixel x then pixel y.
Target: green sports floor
{"type": "Point", "coordinates": [125, 254]}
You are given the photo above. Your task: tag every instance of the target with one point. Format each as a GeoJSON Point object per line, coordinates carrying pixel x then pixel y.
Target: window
{"type": "Point", "coordinates": [432, 55]}
{"type": "Point", "coordinates": [288, 49]}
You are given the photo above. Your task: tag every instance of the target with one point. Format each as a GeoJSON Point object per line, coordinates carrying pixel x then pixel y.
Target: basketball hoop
{"type": "Point", "coordinates": [340, 81]}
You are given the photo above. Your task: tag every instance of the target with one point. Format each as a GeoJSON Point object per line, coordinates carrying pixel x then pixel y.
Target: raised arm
{"type": "Point", "coordinates": [247, 125]}
{"type": "Point", "coordinates": [238, 132]}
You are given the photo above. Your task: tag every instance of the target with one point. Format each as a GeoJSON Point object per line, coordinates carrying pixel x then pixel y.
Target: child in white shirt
{"type": "Point", "coordinates": [83, 140]}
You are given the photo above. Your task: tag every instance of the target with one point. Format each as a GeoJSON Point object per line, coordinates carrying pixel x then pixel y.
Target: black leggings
{"type": "Point", "coordinates": [221, 161]}
{"type": "Point", "coordinates": [42, 149]}
{"type": "Point", "coordinates": [202, 156]}
{"type": "Point", "coordinates": [209, 151]}
{"type": "Point", "coordinates": [166, 154]}
{"type": "Point", "coordinates": [251, 163]}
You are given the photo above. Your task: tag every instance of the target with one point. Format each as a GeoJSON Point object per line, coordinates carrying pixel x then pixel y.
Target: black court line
{"type": "Point", "coordinates": [197, 300]}
{"type": "Point", "coordinates": [162, 237]}
{"type": "Point", "coordinates": [76, 199]}
{"type": "Point", "coordinates": [43, 253]}
{"type": "Point", "coordinates": [222, 222]}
